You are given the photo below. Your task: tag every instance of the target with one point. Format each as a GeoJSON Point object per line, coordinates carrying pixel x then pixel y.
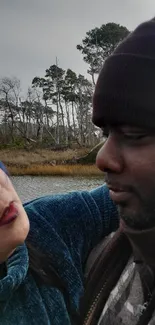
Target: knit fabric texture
{"type": "Point", "coordinates": [67, 227]}
{"type": "Point", "coordinates": [124, 91]}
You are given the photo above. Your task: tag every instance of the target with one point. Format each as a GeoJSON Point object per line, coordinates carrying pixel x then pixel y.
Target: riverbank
{"type": "Point", "coordinates": [58, 170]}
{"type": "Point", "coordinates": [47, 162]}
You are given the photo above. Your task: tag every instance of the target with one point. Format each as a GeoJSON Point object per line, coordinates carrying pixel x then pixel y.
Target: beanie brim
{"type": "Point", "coordinates": [125, 92]}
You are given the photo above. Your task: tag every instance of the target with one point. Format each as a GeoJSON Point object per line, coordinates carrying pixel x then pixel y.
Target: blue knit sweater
{"type": "Point", "coordinates": [67, 226]}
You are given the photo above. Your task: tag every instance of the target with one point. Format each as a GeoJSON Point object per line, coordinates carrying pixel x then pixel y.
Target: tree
{"type": "Point", "coordinates": [99, 43]}
{"type": "Point", "coordinates": [35, 115]}
{"type": "Point", "coordinates": [77, 94]}
{"type": "Point", "coordinates": [9, 95]}
{"type": "Point", "coordinates": [83, 109]}
{"type": "Point", "coordinates": [70, 96]}
{"type": "Point", "coordinates": [52, 85]}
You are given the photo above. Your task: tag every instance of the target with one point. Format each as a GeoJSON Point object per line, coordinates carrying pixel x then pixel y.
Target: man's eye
{"type": "Point", "coordinates": [134, 136]}
{"type": "Point", "coordinates": [105, 132]}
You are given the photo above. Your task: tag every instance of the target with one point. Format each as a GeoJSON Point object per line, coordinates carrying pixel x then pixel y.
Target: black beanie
{"type": "Point", "coordinates": [125, 90]}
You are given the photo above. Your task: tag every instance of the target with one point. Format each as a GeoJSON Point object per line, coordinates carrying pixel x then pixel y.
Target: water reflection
{"type": "Point", "coordinates": [29, 187]}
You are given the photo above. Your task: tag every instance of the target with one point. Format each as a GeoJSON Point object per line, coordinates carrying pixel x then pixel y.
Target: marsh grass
{"type": "Point", "coordinates": [25, 158]}
{"type": "Point", "coordinates": [58, 170]}
{"type": "Point", "coordinates": [47, 162]}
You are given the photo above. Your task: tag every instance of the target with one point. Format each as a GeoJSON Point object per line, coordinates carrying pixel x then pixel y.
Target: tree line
{"type": "Point", "coordinates": [56, 111]}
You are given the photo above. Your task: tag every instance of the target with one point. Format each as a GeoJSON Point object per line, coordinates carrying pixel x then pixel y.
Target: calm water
{"type": "Point", "coordinates": [29, 187]}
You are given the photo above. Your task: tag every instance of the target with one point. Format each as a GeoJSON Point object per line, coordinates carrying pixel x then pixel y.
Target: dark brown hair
{"type": "Point", "coordinates": [40, 265]}
{"type": "Point", "coordinates": [42, 268]}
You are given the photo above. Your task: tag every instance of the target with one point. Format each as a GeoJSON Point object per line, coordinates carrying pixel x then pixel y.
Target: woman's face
{"type": "Point", "coordinates": [14, 223]}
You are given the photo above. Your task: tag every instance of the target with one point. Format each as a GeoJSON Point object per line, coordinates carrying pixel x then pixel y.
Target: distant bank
{"type": "Point", "coordinates": [47, 162]}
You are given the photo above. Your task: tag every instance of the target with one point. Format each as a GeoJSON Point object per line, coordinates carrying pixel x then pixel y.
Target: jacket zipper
{"type": "Point", "coordinates": [89, 314]}
{"type": "Point", "coordinates": [93, 306]}
{"type": "Point", "coordinates": [94, 303]}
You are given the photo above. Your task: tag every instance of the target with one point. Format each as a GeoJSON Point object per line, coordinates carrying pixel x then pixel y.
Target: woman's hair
{"type": "Point", "coordinates": [42, 268]}
{"type": "Point", "coordinates": [40, 265]}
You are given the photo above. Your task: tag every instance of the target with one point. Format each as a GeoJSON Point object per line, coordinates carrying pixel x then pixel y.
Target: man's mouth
{"type": "Point", "coordinates": [118, 194]}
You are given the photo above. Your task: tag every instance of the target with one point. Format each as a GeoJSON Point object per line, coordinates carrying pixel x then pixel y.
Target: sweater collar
{"type": "Point", "coordinates": [16, 270]}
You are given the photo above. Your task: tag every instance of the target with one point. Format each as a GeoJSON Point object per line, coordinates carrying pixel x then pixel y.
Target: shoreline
{"type": "Point", "coordinates": [46, 162]}
{"type": "Point", "coordinates": [58, 170]}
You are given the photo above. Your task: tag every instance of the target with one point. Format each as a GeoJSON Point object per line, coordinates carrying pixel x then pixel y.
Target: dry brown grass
{"type": "Point", "coordinates": [24, 158]}
{"type": "Point", "coordinates": [58, 170]}
{"type": "Point", "coordinates": [46, 162]}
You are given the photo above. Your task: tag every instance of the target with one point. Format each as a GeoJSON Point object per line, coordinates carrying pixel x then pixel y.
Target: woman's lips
{"type": "Point", "coordinates": [9, 215]}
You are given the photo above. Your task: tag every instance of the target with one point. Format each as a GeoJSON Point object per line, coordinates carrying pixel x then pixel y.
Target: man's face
{"type": "Point", "coordinates": [128, 161]}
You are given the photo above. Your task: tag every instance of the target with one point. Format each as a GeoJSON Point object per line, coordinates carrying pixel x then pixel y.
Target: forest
{"type": "Point", "coordinates": [56, 111]}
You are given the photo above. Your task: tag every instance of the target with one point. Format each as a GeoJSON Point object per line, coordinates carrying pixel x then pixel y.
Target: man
{"type": "Point", "coordinates": [121, 285]}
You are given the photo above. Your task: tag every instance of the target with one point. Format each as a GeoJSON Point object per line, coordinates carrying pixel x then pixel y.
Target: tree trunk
{"type": "Point", "coordinates": [73, 116]}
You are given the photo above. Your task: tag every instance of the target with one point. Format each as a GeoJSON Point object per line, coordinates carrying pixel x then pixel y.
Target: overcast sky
{"type": "Point", "coordinates": [34, 32]}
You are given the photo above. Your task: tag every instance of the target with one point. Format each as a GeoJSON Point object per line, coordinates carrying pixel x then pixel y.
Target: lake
{"type": "Point", "coordinates": [29, 187]}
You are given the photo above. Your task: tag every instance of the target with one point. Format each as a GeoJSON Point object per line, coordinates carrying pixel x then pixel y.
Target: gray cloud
{"type": "Point", "coordinates": [34, 32]}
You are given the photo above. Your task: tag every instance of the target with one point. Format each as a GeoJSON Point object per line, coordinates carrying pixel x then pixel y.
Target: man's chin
{"type": "Point", "coordinates": [130, 217]}
{"type": "Point", "coordinates": [134, 220]}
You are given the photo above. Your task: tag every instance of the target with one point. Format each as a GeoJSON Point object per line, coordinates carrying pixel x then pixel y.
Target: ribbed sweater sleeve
{"type": "Point", "coordinates": [78, 219]}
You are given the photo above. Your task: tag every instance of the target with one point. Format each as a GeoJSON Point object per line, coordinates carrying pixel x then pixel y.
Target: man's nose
{"type": "Point", "coordinates": [109, 158]}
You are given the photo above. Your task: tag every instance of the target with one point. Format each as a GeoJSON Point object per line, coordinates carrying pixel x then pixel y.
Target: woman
{"type": "Point", "coordinates": [43, 250]}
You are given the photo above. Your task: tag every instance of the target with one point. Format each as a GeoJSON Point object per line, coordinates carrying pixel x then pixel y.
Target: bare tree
{"type": "Point", "coordinates": [9, 94]}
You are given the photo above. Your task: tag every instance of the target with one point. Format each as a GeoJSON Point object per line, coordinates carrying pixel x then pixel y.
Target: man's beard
{"type": "Point", "coordinates": [145, 220]}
